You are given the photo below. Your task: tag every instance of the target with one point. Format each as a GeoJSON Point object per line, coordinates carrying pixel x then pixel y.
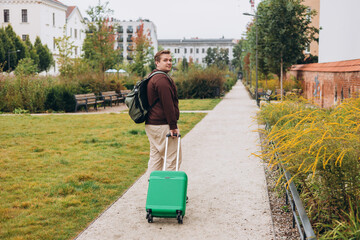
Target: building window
{"type": "Point", "coordinates": [307, 49]}
{"type": "Point", "coordinates": [129, 29]}
{"type": "Point", "coordinates": [53, 19]}
{"type": "Point", "coordinates": [54, 43]}
{"type": "Point", "coordinates": [129, 38]}
{"type": "Point", "coordinates": [203, 50]}
{"type": "Point", "coordinates": [24, 37]}
{"type": "Point", "coordinates": [70, 32]}
{"type": "Point", "coordinates": [191, 50]}
{"type": "Point", "coordinates": [335, 95]}
{"type": "Point", "coordinates": [75, 33]}
{"type": "Point", "coordinates": [197, 50]}
{"type": "Point", "coordinates": [24, 16]}
{"type": "Point", "coordinates": [76, 51]}
{"type": "Point", "coordinates": [6, 15]}
{"type": "Point", "coordinates": [185, 50]}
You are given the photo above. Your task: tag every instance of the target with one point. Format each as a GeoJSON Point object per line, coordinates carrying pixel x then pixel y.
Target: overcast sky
{"type": "Point", "coordinates": [181, 18]}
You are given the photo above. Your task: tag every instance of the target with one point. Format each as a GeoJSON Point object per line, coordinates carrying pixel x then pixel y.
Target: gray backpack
{"type": "Point", "coordinates": [137, 100]}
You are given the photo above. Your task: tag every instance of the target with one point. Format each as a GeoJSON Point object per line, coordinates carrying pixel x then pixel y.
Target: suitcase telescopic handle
{"type": "Point", "coordinates": [177, 152]}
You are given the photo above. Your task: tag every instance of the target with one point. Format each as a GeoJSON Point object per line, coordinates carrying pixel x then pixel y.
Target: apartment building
{"type": "Point", "coordinates": [46, 19]}
{"type": "Point", "coordinates": [126, 30]}
{"type": "Point", "coordinates": [195, 49]}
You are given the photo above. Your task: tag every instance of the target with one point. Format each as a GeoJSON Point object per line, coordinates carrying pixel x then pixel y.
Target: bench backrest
{"type": "Point", "coordinates": [87, 95]}
{"type": "Point", "coordinates": [268, 92]}
{"type": "Point", "coordinates": [109, 93]}
{"type": "Point", "coordinates": [81, 98]}
{"type": "Point", "coordinates": [125, 92]}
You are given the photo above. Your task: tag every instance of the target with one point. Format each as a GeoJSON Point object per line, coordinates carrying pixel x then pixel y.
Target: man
{"type": "Point", "coordinates": [163, 116]}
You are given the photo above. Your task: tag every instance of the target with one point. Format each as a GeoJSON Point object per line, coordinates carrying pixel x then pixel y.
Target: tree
{"type": "Point", "coordinates": [26, 67]}
{"type": "Point", "coordinates": [9, 49]}
{"type": "Point", "coordinates": [218, 57]}
{"type": "Point", "coordinates": [45, 56]}
{"type": "Point", "coordinates": [237, 55]}
{"type": "Point", "coordinates": [140, 50]}
{"type": "Point", "coordinates": [32, 52]}
{"type": "Point", "coordinates": [66, 48]}
{"type": "Point", "coordinates": [100, 38]}
{"type": "Point", "coordinates": [222, 58]}
{"type": "Point", "coordinates": [210, 56]}
{"type": "Point", "coordinates": [284, 32]}
{"type": "Point", "coordinates": [151, 60]}
{"type": "Point", "coordinates": [18, 43]}
{"type": "Point", "coordinates": [184, 64]}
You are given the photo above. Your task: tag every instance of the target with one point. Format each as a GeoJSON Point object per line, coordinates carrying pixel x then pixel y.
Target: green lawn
{"type": "Point", "coordinates": [59, 172]}
{"type": "Point", "coordinates": [198, 104]}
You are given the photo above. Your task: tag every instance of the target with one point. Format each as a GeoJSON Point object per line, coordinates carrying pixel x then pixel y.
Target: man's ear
{"type": "Point", "coordinates": [156, 63]}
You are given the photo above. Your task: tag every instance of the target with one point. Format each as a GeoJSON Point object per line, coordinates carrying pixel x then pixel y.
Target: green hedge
{"type": "Point", "coordinates": [41, 94]}
{"type": "Point", "coordinates": [203, 83]}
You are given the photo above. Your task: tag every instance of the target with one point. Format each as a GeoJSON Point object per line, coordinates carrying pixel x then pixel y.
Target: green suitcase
{"type": "Point", "coordinates": [167, 190]}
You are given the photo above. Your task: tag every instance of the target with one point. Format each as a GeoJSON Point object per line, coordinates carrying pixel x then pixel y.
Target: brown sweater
{"type": "Point", "coordinates": [166, 110]}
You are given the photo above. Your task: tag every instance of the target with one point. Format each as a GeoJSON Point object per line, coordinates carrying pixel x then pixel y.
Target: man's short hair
{"type": "Point", "coordinates": [158, 54]}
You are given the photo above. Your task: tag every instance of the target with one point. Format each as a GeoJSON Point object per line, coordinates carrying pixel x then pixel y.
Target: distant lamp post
{"type": "Point", "coordinates": [9, 53]}
{"type": "Point", "coordinates": [256, 57]}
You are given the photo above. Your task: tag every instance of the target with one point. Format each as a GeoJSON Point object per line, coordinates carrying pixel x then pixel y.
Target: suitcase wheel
{"type": "Point", "coordinates": [179, 217]}
{"type": "Point", "coordinates": [149, 216]}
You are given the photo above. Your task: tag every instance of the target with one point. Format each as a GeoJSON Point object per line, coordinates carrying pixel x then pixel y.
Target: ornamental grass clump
{"type": "Point", "coordinates": [321, 149]}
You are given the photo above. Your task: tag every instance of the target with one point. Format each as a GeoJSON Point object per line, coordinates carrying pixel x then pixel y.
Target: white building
{"type": "Point", "coordinates": [339, 36]}
{"type": "Point", "coordinates": [46, 19]}
{"type": "Point", "coordinates": [127, 29]}
{"type": "Point", "coordinates": [196, 49]}
{"type": "Point", "coordinates": [75, 28]}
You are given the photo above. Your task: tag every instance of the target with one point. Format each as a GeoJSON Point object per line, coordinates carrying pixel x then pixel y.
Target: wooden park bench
{"type": "Point", "coordinates": [112, 97]}
{"type": "Point", "coordinates": [123, 94]}
{"type": "Point", "coordinates": [87, 100]}
{"type": "Point", "coordinates": [265, 95]}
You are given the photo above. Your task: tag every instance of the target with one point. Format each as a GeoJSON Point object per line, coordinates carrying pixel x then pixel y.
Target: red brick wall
{"type": "Point", "coordinates": [332, 87]}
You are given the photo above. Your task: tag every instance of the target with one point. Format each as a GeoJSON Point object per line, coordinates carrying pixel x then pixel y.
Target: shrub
{"type": "Point", "coordinates": [26, 67]}
{"type": "Point", "coordinates": [24, 92]}
{"type": "Point", "coordinates": [199, 83]}
{"type": "Point", "coordinates": [60, 98]}
{"type": "Point", "coordinates": [321, 149]}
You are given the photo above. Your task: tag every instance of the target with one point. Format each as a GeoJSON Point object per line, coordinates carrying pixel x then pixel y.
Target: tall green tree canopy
{"type": "Point", "coordinates": [99, 42]}
{"type": "Point", "coordinates": [18, 43]}
{"type": "Point", "coordinates": [140, 50]}
{"type": "Point", "coordinates": [237, 55]}
{"type": "Point", "coordinates": [45, 56]}
{"type": "Point", "coordinates": [218, 57]}
{"type": "Point", "coordinates": [32, 52]}
{"type": "Point", "coordinates": [284, 31]}
{"type": "Point", "coordinates": [9, 51]}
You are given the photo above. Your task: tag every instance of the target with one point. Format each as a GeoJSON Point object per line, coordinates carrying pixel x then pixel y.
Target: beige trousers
{"type": "Point", "coordinates": [157, 138]}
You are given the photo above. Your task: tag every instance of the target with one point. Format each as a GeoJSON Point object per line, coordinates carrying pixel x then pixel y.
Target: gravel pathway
{"type": "Point", "coordinates": [227, 191]}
